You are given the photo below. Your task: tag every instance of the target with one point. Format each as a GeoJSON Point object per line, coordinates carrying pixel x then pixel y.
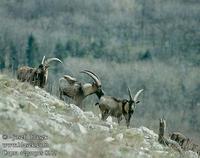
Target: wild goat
{"type": "Point", "coordinates": [178, 137]}
{"type": "Point", "coordinates": [111, 106]}
{"type": "Point", "coordinates": [185, 142]}
{"type": "Point", "coordinates": [166, 141]}
{"type": "Point", "coordinates": [70, 87]}
{"type": "Point", "coordinates": [36, 76]}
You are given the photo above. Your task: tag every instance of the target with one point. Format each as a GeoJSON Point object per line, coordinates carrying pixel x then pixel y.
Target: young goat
{"type": "Point", "coordinates": [36, 76]}
{"type": "Point", "coordinates": [70, 87]}
{"type": "Point", "coordinates": [178, 137]}
{"type": "Point", "coordinates": [166, 141]}
{"type": "Point", "coordinates": [111, 106]}
{"type": "Point", "coordinates": [184, 142]}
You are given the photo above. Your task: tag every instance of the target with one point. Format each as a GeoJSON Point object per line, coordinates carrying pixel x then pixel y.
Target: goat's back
{"type": "Point", "coordinates": [24, 73]}
{"type": "Point", "coordinates": [109, 102]}
{"type": "Point", "coordinates": [68, 89]}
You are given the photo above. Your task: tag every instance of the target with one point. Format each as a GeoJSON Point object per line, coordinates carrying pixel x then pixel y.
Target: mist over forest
{"type": "Point", "coordinates": [149, 44]}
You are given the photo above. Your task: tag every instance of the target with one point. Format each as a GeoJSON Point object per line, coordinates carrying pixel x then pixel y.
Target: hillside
{"type": "Point", "coordinates": [31, 115]}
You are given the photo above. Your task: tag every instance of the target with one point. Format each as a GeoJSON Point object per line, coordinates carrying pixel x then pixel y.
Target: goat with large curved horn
{"type": "Point", "coordinates": [36, 76]}
{"type": "Point", "coordinates": [70, 87]}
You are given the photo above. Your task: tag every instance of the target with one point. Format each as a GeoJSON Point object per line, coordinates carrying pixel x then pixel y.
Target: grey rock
{"type": "Point", "coordinates": [79, 129]}
{"type": "Point", "coordinates": [109, 139]}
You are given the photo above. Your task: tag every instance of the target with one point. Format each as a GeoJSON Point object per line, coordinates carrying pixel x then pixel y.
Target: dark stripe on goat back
{"type": "Point", "coordinates": [116, 99]}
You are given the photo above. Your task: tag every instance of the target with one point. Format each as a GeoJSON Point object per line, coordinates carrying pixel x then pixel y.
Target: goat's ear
{"type": "Point", "coordinates": [94, 84]}
{"type": "Point", "coordinates": [137, 102]}
{"type": "Point", "coordinates": [124, 101]}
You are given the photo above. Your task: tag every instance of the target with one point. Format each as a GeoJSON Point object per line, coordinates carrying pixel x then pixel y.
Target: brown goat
{"type": "Point", "coordinates": [36, 76]}
{"type": "Point", "coordinates": [184, 142]}
{"type": "Point", "coordinates": [111, 106]}
{"type": "Point", "coordinates": [178, 137]}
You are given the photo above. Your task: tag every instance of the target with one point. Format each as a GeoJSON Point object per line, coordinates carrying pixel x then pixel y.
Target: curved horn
{"type": "Point", "coordinates": [137, 95]}
{"type": "Point", "coordinates": [93, 75]}
{"type": "Point", "coordinates": [43, 59]}
{"type": "Point", "coordinates": [129, 93]}
{"type": "Point", "coordinates": [52, 59]}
